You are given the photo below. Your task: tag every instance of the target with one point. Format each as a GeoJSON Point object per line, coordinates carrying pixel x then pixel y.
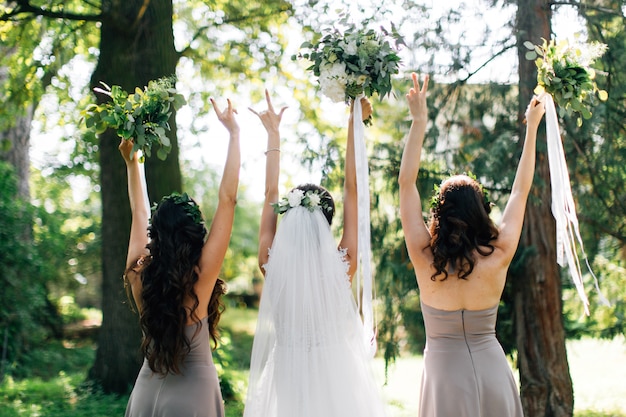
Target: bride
{"type": "Point", "coordinates": [309, 357]}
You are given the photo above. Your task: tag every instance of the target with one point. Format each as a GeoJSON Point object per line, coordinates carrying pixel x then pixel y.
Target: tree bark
{"type": "Point", "coordinates": [137, 45]}
{"type": "Point", "coordinates": [14, 149]}
{"type": "Point", "coordinates": [546, 385]}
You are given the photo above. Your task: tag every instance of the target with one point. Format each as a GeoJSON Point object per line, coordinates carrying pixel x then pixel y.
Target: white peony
{"type": "Point", "coordinates": [333, 79]}
{"type": "Point", "coordinates": [295, 197]}
{"type": "Point", "coordinates": [334, 89]}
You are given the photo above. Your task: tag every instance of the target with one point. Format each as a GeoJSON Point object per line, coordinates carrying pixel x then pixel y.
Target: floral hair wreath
{"type": "Point", "coordinates": [296, 197]}
{"type": "Point", "coordinates": [434, 200]}
{"type": "Point", "coordinates": [189, 206]}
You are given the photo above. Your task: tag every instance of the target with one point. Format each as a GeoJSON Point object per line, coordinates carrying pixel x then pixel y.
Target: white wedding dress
{"type": "Point", "coordinates": [309, 357]}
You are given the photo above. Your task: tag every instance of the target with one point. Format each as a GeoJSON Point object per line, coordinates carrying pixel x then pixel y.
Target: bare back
{"type": "Point", "coordinates": [482, 289]}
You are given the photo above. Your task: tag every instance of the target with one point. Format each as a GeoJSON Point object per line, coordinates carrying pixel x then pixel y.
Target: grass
{"type": "Point", "coordinates": [56, 386]}
{"type": "Point", "coordinates": [597, 368]}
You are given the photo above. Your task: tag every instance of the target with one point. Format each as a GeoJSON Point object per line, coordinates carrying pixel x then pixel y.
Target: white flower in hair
{"type": "Point", "coordinates": [295, 197]}
{"type": "Point", "coordinates": [314, 199]}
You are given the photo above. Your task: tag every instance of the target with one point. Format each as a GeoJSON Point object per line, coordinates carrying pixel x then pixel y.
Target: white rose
{"type": "Point", "coordinates": [295, 198]}
{"type": "Point", "coordinates": [337, 69]}
{"type": "Point", "coordinates": [350, 47]}
{"type": "Point", "coordinates": [314, 199]}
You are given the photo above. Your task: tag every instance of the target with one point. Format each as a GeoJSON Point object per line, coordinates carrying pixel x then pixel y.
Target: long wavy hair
{"type": "Point", "coordinates": [325, 197]}
{"type": "Point", "coordinates": [460, 225]}
{"type": "Point", "coordinates": [168, 278]}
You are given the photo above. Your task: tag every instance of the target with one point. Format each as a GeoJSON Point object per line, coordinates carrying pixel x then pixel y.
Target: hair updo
{"type": "Point", "coordinates": [459, 225]}
{"type": "Point", "coordinates": [327, 199]}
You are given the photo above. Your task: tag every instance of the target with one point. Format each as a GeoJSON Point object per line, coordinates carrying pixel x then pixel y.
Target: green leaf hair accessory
{"type": "Point", "coordinates": [435, 199]}
{"type": "Point", "coordinates": [296, 197]}
{"type": "Point", "coordinates": [190, 207]}
{"type": "Point", "coordinates": [564, 71]}
{"type": "Point", "coordinates": [142, 116]}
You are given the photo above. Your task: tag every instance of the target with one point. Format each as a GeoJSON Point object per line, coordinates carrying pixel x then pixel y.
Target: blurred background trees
{"type": "Point", "coordinates": [64, 220]}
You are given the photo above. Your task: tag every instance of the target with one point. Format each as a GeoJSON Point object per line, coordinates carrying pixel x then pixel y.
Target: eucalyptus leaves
{"type": "Point", "coordinates": [352, 62]}
{"type": "Point", "coordinates": [142, 116]}
{"type": "Point", "coordinates": [563, 71]}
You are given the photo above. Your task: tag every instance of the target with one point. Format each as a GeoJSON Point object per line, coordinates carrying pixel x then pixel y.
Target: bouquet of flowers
{"type": "Point", "coordinates": [564, 71]}
{"type": "Point", "coordinates": [141, 116]}
{"type": "Point", "coordinates": [352, 63]}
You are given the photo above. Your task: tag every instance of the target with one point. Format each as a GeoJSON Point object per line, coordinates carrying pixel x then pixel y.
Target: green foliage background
{"type": "Point", "coordinates": [234, 47]}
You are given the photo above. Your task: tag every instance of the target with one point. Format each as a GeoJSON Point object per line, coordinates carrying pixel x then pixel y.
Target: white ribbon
{"type": "Point", "coordinates": [563, 209]}
{"type": "Point", "coordinates": [364, 285]}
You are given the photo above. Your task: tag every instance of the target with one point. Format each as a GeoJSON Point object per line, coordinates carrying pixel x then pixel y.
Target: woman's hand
{"type": "Point", "coordinates": [366, 109]}
{"type": "Point", "coordinates": [416, 98]}
{"type": "Point", "coordinates": [126, 149]}
{"type": "Point", "coordinates": [270, 119]}
{"type": "Point", "coordinates": [227, 117]}
{"type": "Point", "coordinates": [535, 111]}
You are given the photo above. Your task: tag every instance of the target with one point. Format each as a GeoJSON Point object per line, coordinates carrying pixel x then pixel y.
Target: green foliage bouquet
{"type": "Point", "coordinates": [563, 71]}
{"type": "Point", "coordinates": [353, 62]}
{"type": "Point", "coordinates": [142, 116]}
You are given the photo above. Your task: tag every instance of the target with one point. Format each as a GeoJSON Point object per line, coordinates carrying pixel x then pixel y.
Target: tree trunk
{"type": "Point", "coordinates": [137, 45]}
{"type": "Point", "coordinates": [14, 147]}
{"type": "Point", "coordinates": [546, 386]}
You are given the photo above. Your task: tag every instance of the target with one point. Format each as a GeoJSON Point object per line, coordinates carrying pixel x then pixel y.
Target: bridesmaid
{"type": "Point", "coordinates": [172, 272]}
{"type": "Point", "coordinates": [461, 261]}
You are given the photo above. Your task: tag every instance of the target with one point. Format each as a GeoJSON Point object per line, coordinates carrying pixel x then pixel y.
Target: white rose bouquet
{"type": "Point", "coordinates": [353, 62]}
{"type": "Point", "coordinates": [564, 71]}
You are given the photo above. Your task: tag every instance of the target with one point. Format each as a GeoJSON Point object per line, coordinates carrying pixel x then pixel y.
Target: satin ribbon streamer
{"type": "Point", "coordinates": [364, 285]}
{"type": "Point", "coordinates": [563, 209]}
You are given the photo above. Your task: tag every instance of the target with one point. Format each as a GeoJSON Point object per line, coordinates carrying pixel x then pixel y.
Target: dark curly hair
{"type": "Point", "coordinates": [459, 225]}
{"type": "Point", "coordinates": [168, 278]}
{"type": "Point", "coordinates": [324, 195]}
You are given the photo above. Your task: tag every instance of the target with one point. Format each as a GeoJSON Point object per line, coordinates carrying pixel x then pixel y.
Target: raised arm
{"type": "Point", "coordinates": [271, 122]}
{"type": "Point", "coordinates": [349, 238]}
{"type": "Point", "coordinates": [416, 233]}
{"type": "Point", "coordinates": [216, 245]}
{"type": "Point", "coordinates": [513, 216]}
{"type": "Point", "coordinates": [140, 211]}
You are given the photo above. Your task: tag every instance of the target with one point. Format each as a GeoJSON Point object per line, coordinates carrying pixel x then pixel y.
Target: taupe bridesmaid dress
{"type": "Point", "coordinates": [466, 373]}
{"type": "Point", "coordinates": [195, 393]}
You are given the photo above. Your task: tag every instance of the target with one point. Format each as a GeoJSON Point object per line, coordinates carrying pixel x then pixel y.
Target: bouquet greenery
{"type": "Point", "coordinates": [353, 62]}
{"type": "Point", "coordinates": [564, 71]}
{"type": "Point", "coordinates": [142, 116]}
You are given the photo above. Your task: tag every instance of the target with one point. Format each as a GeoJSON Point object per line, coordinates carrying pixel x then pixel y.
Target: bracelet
{"type": "Point", "coordinates": [272, 150]}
